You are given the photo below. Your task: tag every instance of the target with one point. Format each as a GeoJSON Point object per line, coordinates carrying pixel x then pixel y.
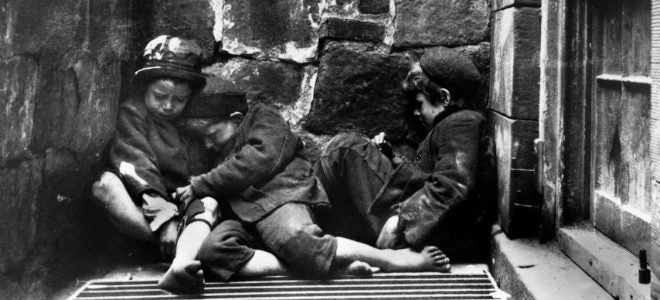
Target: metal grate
{"type": "Point", "coordinates": [378, 286]}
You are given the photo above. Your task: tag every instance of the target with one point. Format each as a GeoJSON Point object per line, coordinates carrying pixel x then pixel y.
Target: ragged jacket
{"type": "Point", "coordinates": [163, 158]}
{"type": "Point", "coordinates": [264, 169]}
{"type": "Point", "coordinates": [452, 173]}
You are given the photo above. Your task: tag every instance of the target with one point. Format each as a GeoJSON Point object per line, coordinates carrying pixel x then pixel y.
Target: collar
{"type": "Point", "coordinates": [448, 111]}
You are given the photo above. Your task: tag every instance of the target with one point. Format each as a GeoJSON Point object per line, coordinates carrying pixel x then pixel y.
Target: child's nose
{"type": "Point", "coordinates": [167, 104]}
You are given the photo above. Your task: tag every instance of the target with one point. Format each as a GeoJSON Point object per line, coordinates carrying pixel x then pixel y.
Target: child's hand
{"type": "Point", "coordinates": [185, 194]}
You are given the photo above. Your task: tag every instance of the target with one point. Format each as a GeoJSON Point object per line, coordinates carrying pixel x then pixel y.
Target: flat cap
{"type": "Point", "coordinates": [450, 69]}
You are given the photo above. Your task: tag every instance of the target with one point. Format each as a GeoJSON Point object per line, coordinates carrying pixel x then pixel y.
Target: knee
{"type": "Point", "coordinates": [344, 140]}
{"type": "Point", "coordinates": [106, 183]}
{"type": "Point", "coordinates": [297, 236]}
{"type": "Point", "coordinates": [205, 209]}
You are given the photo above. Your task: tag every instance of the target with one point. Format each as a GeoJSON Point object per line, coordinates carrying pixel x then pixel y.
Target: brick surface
{"type": "Point", "coordinates": [502, 4]}
{"type": "Point", "coordinates": [77, 107]}
{"type": "Point", "coordinates": [519, 202]}
{"type": "Point", "coordinates": [361, 90]}
{"type": "Point", "coordinates": [447, 23]}
{"type": "Point", "coordinates": [283, 29]}
{"type": "Point", "coordinates": [191, 19]}
{"type": "Point", "coordinates": [374, 7]}
{"type": "Point", "coordinates": [19, 186]}
{"type": "Point", "coordinates": [264, 81]}
{"type": "Point", "coordinates": [18, 86]}
{"type": "Point", "coordinates": [347, 29]}
{"type": "Point", "coordinates": [515, 57]}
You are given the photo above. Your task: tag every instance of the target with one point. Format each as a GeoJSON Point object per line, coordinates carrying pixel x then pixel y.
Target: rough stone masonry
{"type": "Point", "coordinates": [327, 65]}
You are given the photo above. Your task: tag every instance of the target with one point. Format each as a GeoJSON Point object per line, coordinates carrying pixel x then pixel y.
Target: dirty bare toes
{"type": "Point", "coordinates": [441, 262]}
{"type": "Point", "coordinates": [183, 278]}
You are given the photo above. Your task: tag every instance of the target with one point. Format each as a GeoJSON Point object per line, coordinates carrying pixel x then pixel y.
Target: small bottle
{"type": "Point", "coordinates": [644, 272]}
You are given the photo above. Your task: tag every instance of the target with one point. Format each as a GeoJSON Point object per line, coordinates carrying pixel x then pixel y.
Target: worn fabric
{"type": "Point", "coordinates": [151, 156]}
{"type": "Point", "coordinates": [289, 233]}
{"type": "Point", "coordinates": [264, 169]}
{"type": "Point", "coordinates": [444, 195]}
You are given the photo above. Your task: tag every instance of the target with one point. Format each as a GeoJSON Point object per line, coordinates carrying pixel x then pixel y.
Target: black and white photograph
{"type": "Point", "coordinates": [330, 149]}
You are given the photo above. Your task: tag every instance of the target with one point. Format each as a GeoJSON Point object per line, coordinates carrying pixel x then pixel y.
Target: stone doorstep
{"type": "Point", "coordinates": [612, 266]}
{"type": "Point", "coordinates": [527, 269]}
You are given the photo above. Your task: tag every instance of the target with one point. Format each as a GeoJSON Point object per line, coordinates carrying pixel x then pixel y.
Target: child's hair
{"type": "Point", "coordinates": [417, 82]}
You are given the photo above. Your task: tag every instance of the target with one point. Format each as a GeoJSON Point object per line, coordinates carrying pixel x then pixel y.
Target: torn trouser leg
{"type": "Point", "coordinates": [353, 171]}
{"type": "Point", "coordinates": [288, 232]}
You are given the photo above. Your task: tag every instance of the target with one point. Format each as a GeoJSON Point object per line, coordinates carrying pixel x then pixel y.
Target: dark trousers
{"type": "Point", "coordinates": [289, 233]}
{"type": "Point", "coordinates": [352, 171]}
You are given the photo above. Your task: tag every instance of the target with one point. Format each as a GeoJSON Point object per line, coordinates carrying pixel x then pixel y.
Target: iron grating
{"type": "Point", "coordinates": [378, 286]}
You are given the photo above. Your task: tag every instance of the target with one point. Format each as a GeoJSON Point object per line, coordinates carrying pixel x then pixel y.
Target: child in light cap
{"type": "Point", "coordinates": [149, 156]}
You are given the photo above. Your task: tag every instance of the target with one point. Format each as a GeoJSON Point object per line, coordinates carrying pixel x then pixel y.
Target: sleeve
{"type": "Point", "coordinates": [269, 146]}
{"type": "Point", "coordinates": [132, 155]}
{"type": "Point", "coordinates": [452, 180]}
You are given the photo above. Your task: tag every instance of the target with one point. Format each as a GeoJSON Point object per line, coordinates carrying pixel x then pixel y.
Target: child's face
{"type": "Point", "coordinates": [166, 98]}
{"type": "Point", "coordinates": [217, 135]}
{"type": "Point", "coordinates": [425, 110]}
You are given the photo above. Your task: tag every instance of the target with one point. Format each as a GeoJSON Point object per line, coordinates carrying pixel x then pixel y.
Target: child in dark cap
{"type": "Point", "coordinates": [149, 156]}
{"type": "Point", "coordinates": [444, 196]}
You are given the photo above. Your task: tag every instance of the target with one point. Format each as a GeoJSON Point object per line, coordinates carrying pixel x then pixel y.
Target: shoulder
{"type": "Point", "coordinates": [466, 115]}
{"type": "Point", "coordinates": [133, 106]}
{"type": "Point", "coordinates": [459, 123]}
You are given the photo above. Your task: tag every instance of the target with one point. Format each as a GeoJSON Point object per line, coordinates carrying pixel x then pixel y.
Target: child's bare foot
{"type": "Point", "coordinates": [183, 278]}
{"type": "Point", "coordinates": [429, 259]}
{"type": "Point", "coordinates": [357, 268]}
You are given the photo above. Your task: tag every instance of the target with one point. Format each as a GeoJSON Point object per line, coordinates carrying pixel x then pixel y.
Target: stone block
{"type": "Point", "coordinates": [263, 81]}
{"type": "Point", "coordinates": [344, 8]}
{"type": "Point", "coordinates": [480, 56]}
{"type": "Point", "coordinates": [19, 186]}
{"type": "Point", "coordinates": [449, 23]}
{"type": "Point", "coordinates": [518, 200]}
{"type": "Point", "coordinates": [18, 87]}
{"type": "Point", "coordinates": [374, 7]}
{"type": "Point", "coordinates": [502, 4]}
{"type": "Point", "coordinates": [77, 106]}
{"type": "Point", "coordinates": [295, 112]}
{"type": "Point", "coordinates": [515, 77]}
{"type": "Point", "coordinates": [282, 29]}
{"type": "Point", "coordinates": [354, 30]}
{"type": "Point", "coordinates": [190, 19]}
{"type": "Point", "coordinates": [60, 25]}
{"type": "Point", "coordinates": [515, 141]}
{"type": "Point", "coordinates": [361, 90]}
{"type": "Point", "coordinates": [55, 23]}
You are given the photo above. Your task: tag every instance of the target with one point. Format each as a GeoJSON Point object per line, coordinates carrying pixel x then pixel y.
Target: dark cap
{"type": "Point", "coordinates": [450, 69]}
{"type": "Point", "coordinates": [167, 56]}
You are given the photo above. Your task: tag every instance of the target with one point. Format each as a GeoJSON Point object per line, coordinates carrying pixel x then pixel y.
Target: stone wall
{"type": "Point", "coordinates": [514, 97]}
{"type": "Point", "coordinates": [327, 65]}
{"type": "Point", "coordinates": [62, 65]}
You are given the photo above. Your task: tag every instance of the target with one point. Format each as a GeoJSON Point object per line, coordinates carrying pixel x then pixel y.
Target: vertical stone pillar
{"type": "Point", "coordinates": [514, 106]}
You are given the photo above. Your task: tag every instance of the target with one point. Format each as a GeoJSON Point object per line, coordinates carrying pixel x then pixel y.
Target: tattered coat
{"type": "Point", "coordinates": [163, 158]}
{"type": "Point", "coordinates": [449, 183]}
{"type": "Point", "coordinates": [263, 170]}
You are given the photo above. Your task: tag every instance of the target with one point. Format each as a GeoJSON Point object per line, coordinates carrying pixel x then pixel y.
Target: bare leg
{"type": "Point", "coordinates": [262, 264]}
{"type": "Point", "coordinates": [185, 274]}
{"type": "Point", "coordinates": [111, 194]}
{"type": "Point", "coordinates": [402, 260]}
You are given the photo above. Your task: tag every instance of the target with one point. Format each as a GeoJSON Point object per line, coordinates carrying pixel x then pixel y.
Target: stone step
{"type": "Point", "coordinates": [527, 269]}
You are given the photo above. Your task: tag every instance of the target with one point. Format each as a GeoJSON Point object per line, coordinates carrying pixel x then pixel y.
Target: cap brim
{"type": "Point", "coordinates": [161, 71]}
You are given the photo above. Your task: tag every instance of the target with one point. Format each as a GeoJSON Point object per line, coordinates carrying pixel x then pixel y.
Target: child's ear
{"type": "Point", "coordinates": [236, 116]}
{"type": "Point", "coordinates": [445, 97]}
